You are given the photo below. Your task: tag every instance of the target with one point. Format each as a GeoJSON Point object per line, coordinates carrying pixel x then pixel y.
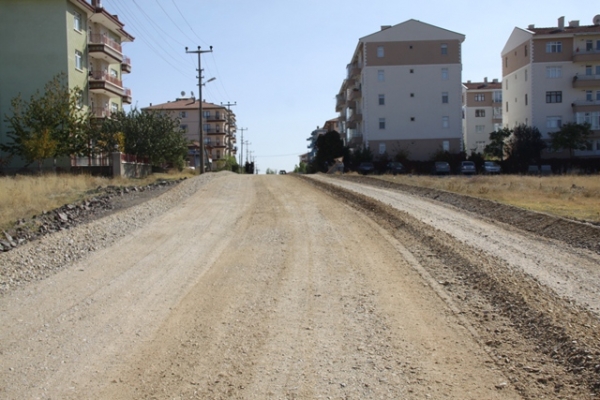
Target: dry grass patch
{"type": "Point", "coordinates": [571, 196]}
{"type": "Point", "coordinates": [26, 196]}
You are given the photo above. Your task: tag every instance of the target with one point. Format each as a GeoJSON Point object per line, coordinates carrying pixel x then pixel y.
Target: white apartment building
{"type": "Point", "coordinates": [482, 113]}
{"type": "Point", "coordinates": [403, 91]}
{"type": "Point", "coordinates": [551, 76]}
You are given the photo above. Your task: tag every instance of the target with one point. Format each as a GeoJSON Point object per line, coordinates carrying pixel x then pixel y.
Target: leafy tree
{"type": "Point", "coordinates": [271, 171]}
{"type": "Point", "coordinates": [227, 163]}
{"type": "Point", "coordinates": [495, 149]}
{"type": "Point", "coordinates": [49, 125]}
{"type": "Point", "coordinates": [524, 147]}
{"type": "Point", "coordinates": [329, 146]}
{"type": "Point", "coordinates": [571, 136]}
{"type": "Point", "coordinates": [150, 134]}
{"type": "Point", "coordinates": [301, 169]}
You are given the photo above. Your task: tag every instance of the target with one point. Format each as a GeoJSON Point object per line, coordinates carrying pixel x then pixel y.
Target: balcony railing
{"type": "Point", "coordinates": [127, 96]}
{"type": "Point", "coordinates": [586, 55]}
{"type": "Point", "coordinates": [586, 81]}
{"type": "Point", "coordinates": [105, 40]}
{"type": "Point", "coordinates": [100, 112]}
{"type": "Point", "coordinates": [126, 65]}
{"type": "Point", "coordinates": [103, 76]}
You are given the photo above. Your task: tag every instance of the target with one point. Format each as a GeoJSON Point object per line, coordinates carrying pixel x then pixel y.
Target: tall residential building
{"type": "Point", "coordinates": [551, 76]}
{"type": "Point", "coordinates": [40, 39]}
{"type": "Point", "coordinates": [218, 125]}
{"type": "Point", "coordinates": [402, 91]}
{"type": "Point", "coordinates": [482, 113]}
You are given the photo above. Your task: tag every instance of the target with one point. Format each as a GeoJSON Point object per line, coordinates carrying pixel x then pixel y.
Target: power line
{"type": "Point", "coordinates": [188, 24]}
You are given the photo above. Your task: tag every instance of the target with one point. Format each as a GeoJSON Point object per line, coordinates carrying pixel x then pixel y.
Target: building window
{"type": "Point", "coordinates": [206, 128]}
{"type": "Point", "coordinates": [412, 95]}
{"type": "Point", "coordinates": [589, 95]}
{"type": "Point", "coordinates": [554, 47]}
{"type": "Point", "coordinates": [553, 122]}
{"type": "Point", "coordinates": [184, 128]}
{"type": "Point", "coordinates": [525, 75]}
{"type": "Point", "coordinates": [525, 50]}
{"type": "Point", "coordinates": [183, 114]}
{"type": "Point", "coordinates": [382, 99]}
{"type": "Point", "coordinates": [480, 113]}
{"type": "Point", "coordinates": [445, 122]}
{"type": "Point", "coordinates": [77, 22]}
{"type": "Point", "coordinates": [588, 70]}
{"type": "Point", "coordinates": [412, 71]}
{"type": "Point", "coordinates": [381, 123]}
{"type": "Point", "coordinates": [412, 119]}
{"type": "Point", "coordinates": [554, 97]}
{"type": "Point", "coordinates": [444, 74]}
{"type": "Point", "coordinates": [380, 76]}
{"type": "Point", "coordinates": [114, 108]}
{"type": "Point", "coordinates": [380, 52]}
{"type": "Point", "coordinates": [553, 72]}
{"type": "Point", "coordinates": [497, 96]}
{"type": "Point", "coordinates": [381, 148]}
{"type": "Point", "coordinates": [479, 128]}
{"type": "Point", "coordinates": [480, 97]}
{"type": "Point", "coordinates": [505, 62]}
{"type": "Point", "coordinates": [507, 106]}
{"type": "Point", "coordinates": [444, 97]}
{"type": "Point", "coordinates": [78, 60]}
{"type": "Point", "coordinates": [589, 45]}
{"type": "Point", "coordinates": [526, 99]}
{"type": "Point", "coordinates": [446, 145]}
{"type": "Point", "coordinates": [205, 114]}
{"type": "Point", "coordinates": [444, 49]}
{"type": "Point", "coordinates": [597, 95]}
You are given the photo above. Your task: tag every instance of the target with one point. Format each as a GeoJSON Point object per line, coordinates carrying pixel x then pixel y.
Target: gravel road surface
{"type": "Point", "coordinates": [260, 287]}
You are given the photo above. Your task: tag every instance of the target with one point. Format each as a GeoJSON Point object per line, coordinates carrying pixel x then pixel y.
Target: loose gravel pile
{"type": "Point", "coordinates": [70, 233]}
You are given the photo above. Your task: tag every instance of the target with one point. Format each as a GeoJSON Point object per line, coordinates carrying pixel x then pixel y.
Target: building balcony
{"type": "Point", "coordinates": [353, 70]}
{"type": "Point", "coordinates": [127, 96]}
{"type": "Point", "coordinates": [213, 131]}
{"type": "Point", "coordinates": [355, 139]}
{"type": "Point", "coordinates": [355, 94]}
{"type": "Point", "coordinates": [340, 100]}
{"type": "Point", "coordinates": [126, 65]}
{"type": "Point", "coordinates": [101, 82]}
{"type": "Point", "coordinates": [586, 106]}
{"type": "Point", "coordinates": [355, 117]}
{"type": "Point", "coordinates": [102, 47]}
{"type": "Point", "coordinates": [216, 117]}
{"type": "Point", "coordinates": [586, 56]}
{"type": "Point", "coordinates": [586, 81]}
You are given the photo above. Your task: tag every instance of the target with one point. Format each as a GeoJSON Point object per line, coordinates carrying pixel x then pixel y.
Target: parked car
{"type": "Point", "coordinates": [467, 168]}
{"type": "Point", "coordinates": [366, 168]}
{"type": "Point", "coordinates": [441, 168]}
{"type": "Point", "coordinates": [490, 167]}
{"type": "Point", "coordinates": [395, 168]}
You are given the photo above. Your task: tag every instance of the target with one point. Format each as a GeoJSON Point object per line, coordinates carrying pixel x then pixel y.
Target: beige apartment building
{"type": "Point", "coordinates": [482, 113]}
{"type": "Point", "coordinates": [40, 39]}
{"type": "Point", "coordinates": [403, 90]}
{"type": "Point", "coordinates": [218, 124]}
{"type": "Point", "coordinates": [551, 76]}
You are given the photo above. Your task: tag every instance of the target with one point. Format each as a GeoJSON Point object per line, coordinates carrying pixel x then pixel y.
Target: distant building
{"type": "Point", "coordinates": [40, 39]}
{"type": "Point", "coordinates": [402, 91]}
{"type": "Point", "coordinates": [218, 124]}
{"type": "Point", "coordinates": [551, 76]}
{"type": "Point", "coordinates": [482, 113]}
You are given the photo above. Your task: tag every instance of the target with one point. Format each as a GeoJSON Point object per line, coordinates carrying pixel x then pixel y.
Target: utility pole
{"type": "Point", "coordinates": [242, 143]}
{"type": "Point", "coordinates": [201, 144]}
{"type": "Point", "coordinates": [228, 105]}
{"type": "Point", "coordinates": [247, 148]}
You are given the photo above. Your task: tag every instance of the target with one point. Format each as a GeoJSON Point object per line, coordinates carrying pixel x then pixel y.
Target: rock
{"type": "Point", "coordinates": [62, 217]}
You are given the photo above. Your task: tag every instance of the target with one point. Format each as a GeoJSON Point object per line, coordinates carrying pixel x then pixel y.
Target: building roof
{"type": "Point", "coordinates": [482, 85]}
{"type": "Point", "coordinates": [183, 104]}
{"type": "Point", "coordinates": [566, 30]}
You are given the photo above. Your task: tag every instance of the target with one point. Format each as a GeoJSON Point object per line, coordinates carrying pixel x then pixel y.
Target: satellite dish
{"type": "Point", "coordinates": [182, 93]}
{"type": "Point", "coordinates": [597, 20]}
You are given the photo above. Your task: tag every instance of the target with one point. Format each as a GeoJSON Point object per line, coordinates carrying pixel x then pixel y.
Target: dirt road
{"type": "Point", "coordinates": [275, 287]}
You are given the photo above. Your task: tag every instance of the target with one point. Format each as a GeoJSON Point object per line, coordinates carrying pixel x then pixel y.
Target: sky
{"type": "Point", "coordinates": [283, 61]}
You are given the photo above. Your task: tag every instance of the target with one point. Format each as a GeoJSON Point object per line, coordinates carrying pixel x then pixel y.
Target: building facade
{"type": "Point", "coordinates": [40, 39]}
{"type": "Point", "coordinates": [218, 125]}
{"type": "Point", "coordinates": [402, 91]}
{"type": "Point", "coordinates": [551, 76]}
{"type": "Point", "coordinates": [482, 113]}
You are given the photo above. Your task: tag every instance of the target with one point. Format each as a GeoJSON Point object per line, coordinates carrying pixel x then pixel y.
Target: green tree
{"type": "Point", "coordinates": [495, 149]}
{"type": "Point", "coordinates": [524, 147]}
{"type": "Point", "coordinates": [227, 163]}
{"type": "Point", "coordinates": [50, 125]}
{"type": "Point", "coordinates": [571, 136]}
{"type": "Point", "coordinates": [301, 169]}
{"type": "Point", "coordinates": [329, 146]}
{"type": "Point", "coordinates": [271, 171]}
{"type": "Point", "coordinates": [150, 134]}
